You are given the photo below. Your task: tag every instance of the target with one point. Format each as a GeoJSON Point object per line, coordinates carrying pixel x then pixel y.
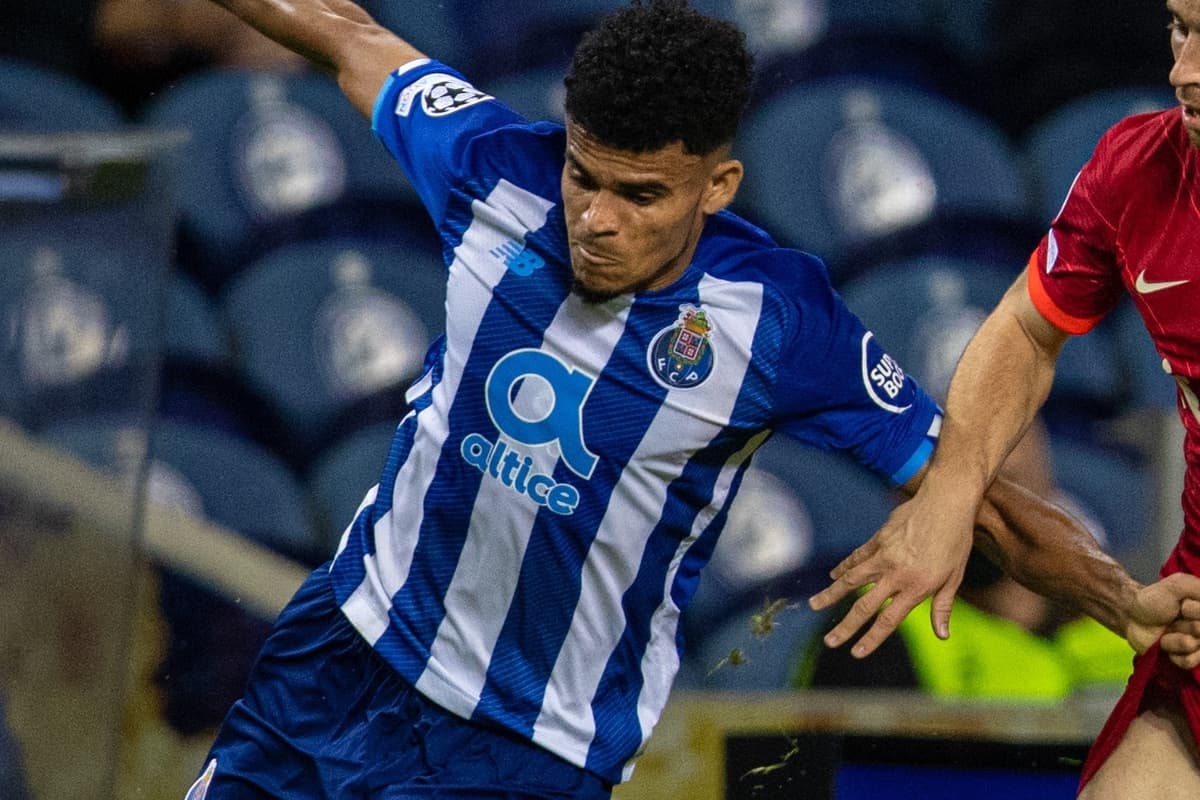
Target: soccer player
{"type": "Point", "coordinates": [501, 619]}
{"type": "Point", "coordinates": [1130, 224]}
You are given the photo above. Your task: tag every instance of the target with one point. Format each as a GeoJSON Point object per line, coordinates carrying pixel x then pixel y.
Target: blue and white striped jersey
{"type": "Point", "coordinates": [566, 468]}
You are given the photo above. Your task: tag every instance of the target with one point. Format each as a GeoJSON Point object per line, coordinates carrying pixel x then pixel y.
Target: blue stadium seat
{"type": "Point", "coordinates": [800, 40]}
{"type": "Point", "coordinates": [34, 99]}
{"type": "Point", "coordinates": [205, 472]}
{"type": "Point", "coordinates": [925, 310]}
{"type": "Point", "coordinates": [536, 94]}
{"type": "Point", "coordinates": [505, 37]}
{"type": "Point", "coordinates": [1116, 489]}
{"type": "Point", "coordinates": [194, 331]}
{"type": "Point", "coordinates": [429, 27]}
{"type": "Point", "coordinates": [738, 654]}
{"type": "Point", "coordinates": [821, 506]}
{"type": "Point", "coordinates": [342, 473]}
{"type": "Point", "coordinates": [847, 168]}
{"type": "Point", "coordinates": [1059, 144]}
{"type": "Point", "coordinates": [211, 641]}
{"type": "Point", "coordinates": [273, 158]}
{"type": "Point", "coordinates": [1149, 386]}
{"type": "Point", "coordinates": [331, 332]}
{"type": "Point", "coordinates": [79, 309]}
{"type": "Point", "coordinates": [198, 382]}
{"type": "Point", "coordinates": [964, 26]}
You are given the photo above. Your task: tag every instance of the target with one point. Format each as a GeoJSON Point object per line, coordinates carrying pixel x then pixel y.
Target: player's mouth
{"type": "Point", "coordinates": [593, 257]}
{"type": "Point", "coordinates": [1191, 118]}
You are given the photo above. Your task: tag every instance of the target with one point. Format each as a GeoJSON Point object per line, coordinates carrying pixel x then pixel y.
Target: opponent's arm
{"type": "Point", "coordinates": [1002, 379]}
{"type": "Point", "coordinates": [335, 35]}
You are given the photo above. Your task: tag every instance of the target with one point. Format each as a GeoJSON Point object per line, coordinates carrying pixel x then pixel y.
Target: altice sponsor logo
{"type": "Point", "coordinates": [514, 469]}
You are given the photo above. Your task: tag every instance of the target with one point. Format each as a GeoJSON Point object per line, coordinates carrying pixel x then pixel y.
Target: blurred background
{"type": "Point", "coordinates": [215, 287]}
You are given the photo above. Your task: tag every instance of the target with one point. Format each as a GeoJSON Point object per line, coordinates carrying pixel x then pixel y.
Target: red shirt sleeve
{"type": "Point", "coordinates": [1075, 272]}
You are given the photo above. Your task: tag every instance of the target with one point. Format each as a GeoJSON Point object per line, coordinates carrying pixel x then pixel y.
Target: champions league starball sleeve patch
{"type": "Point", "coordinates": [439, 95]}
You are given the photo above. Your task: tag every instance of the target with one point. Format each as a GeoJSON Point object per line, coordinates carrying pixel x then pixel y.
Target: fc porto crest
{"type": "Point", "coordinates": [681, 356]}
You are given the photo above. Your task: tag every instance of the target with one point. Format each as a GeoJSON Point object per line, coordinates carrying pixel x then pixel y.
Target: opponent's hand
{"type": "Point", "coordinates": [917, 553]}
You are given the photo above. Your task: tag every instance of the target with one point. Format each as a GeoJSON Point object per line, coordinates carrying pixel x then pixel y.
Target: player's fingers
{"type": "Point", "coordinates": [862, 610]}
{"type": "Point", "coordinates": [942, 605]}
{"type": "Point", "coordinates": [848, 582]}
{"type": "Point", "coordinates": [1183, 649]}
{"type": "Point", "coordinates": [830, 596]}
{"type": "Point", "coordinates": [1190, 608]}
{"type": "Point", "coordinates": [886, 622]}
{"type": "Point", "coordinates": [1185, 627]}
{"type": "Point", "coordinates": [861, 554]}
{"type": "Point", "coordinates": [1183, 585]}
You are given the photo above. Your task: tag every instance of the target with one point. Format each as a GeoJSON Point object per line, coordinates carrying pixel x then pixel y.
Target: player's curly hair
{"type": "Point", "coordinates": [658, 72]}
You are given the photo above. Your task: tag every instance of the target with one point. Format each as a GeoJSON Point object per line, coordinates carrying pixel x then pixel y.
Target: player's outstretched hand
{"type": "Point", "coordinates": [1168, 611]}
{"type": "Point", "coordinates": [918, 553]}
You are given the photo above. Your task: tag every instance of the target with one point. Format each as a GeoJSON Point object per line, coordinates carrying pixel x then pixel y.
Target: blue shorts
{"type": "Point", "coordinates": [323, 716]}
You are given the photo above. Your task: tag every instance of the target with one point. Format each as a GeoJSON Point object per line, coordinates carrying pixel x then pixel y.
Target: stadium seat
{"type": "Point", "coordinates": [273, 158]}
{"type": "Point", "coordinates": [504, 37]}
{"type": "Point", "coordinates": [822, 505]}
{"type": "Point", "coordinates": [1060, 143]}
{"type": "Point", "coordinates": [536, 94]}
{"type": "Point", "coordinates": [1149, 385]}
{"type": "Point", "coordinates": [207, 473]}
{"type": "Point", "coordinates": [800, 40]}
{"type": "Point", "coordinates": [331, 332]}
{"type": "Point", "coordinates": [34, 99]}
{"type": "Point", "coordinates": [964, 27]}
{"type": "Point", "coordinates": [1035, 69]}
{"type": "Point", "coordinates": [741, 653]}
{"type": "Point", "coordinates": [1112, 487]}
{"type": "Point", "coordinates": [194, 331]}
{"type": "Point", "coordinates": [428, 27]}
{"type": "Point", "coordinates": [850, 168]}
{"type": "Point", "coordinates": [211, 641]}
{"type": "Point", "coordinates": [342, 473]}
{"type": "Point", "coordinates": [198, 382]}
{"type": "Point", "coordinates": [925, 310]}
{"type": "Point", "coordinates": [79, 315]}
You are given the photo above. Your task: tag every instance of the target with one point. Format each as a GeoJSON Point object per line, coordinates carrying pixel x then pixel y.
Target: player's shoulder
{"type": "Point", "coordinates": [1140, 142]}
{"type": "Point", "coordinates": [733, 249]}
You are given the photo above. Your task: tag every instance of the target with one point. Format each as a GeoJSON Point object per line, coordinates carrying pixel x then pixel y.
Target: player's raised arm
{"type": "Point", "coordinates": [337, 36]}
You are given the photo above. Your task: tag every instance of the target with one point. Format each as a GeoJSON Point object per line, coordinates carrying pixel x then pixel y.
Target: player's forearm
{"type": "Point", "coordinates": [1052, 553]}
{"type": "Point", "coordinates": [308, 27]}
{"type": "Point", "coordinates": [1000, 383]}
{"type": "Point", "coordinates": [336, 35]}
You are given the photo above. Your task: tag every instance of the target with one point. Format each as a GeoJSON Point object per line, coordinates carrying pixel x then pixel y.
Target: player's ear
{"type": "Point", "coordinates": [723, 183]}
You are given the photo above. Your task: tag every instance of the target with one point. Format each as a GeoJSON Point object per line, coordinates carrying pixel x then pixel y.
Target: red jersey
{"type": "Point", "coordinates": [1131, 223]}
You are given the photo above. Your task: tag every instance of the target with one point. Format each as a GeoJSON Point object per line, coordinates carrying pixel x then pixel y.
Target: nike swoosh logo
{"type": "Point", "coordinates": [1150, 287]}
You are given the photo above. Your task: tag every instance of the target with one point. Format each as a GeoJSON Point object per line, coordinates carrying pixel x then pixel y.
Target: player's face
{"type": "Point", "coordinates": [1185, 75]}
{"type": "Point", "coordinates": [633, 219]}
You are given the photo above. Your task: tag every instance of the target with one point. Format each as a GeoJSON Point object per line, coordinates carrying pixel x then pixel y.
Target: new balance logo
{"type": "Point", "coordinates": [518, 258]}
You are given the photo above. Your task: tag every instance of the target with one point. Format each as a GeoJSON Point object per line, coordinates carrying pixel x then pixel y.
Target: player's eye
{"type": "Point", "coordinates": [1177, 29]}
